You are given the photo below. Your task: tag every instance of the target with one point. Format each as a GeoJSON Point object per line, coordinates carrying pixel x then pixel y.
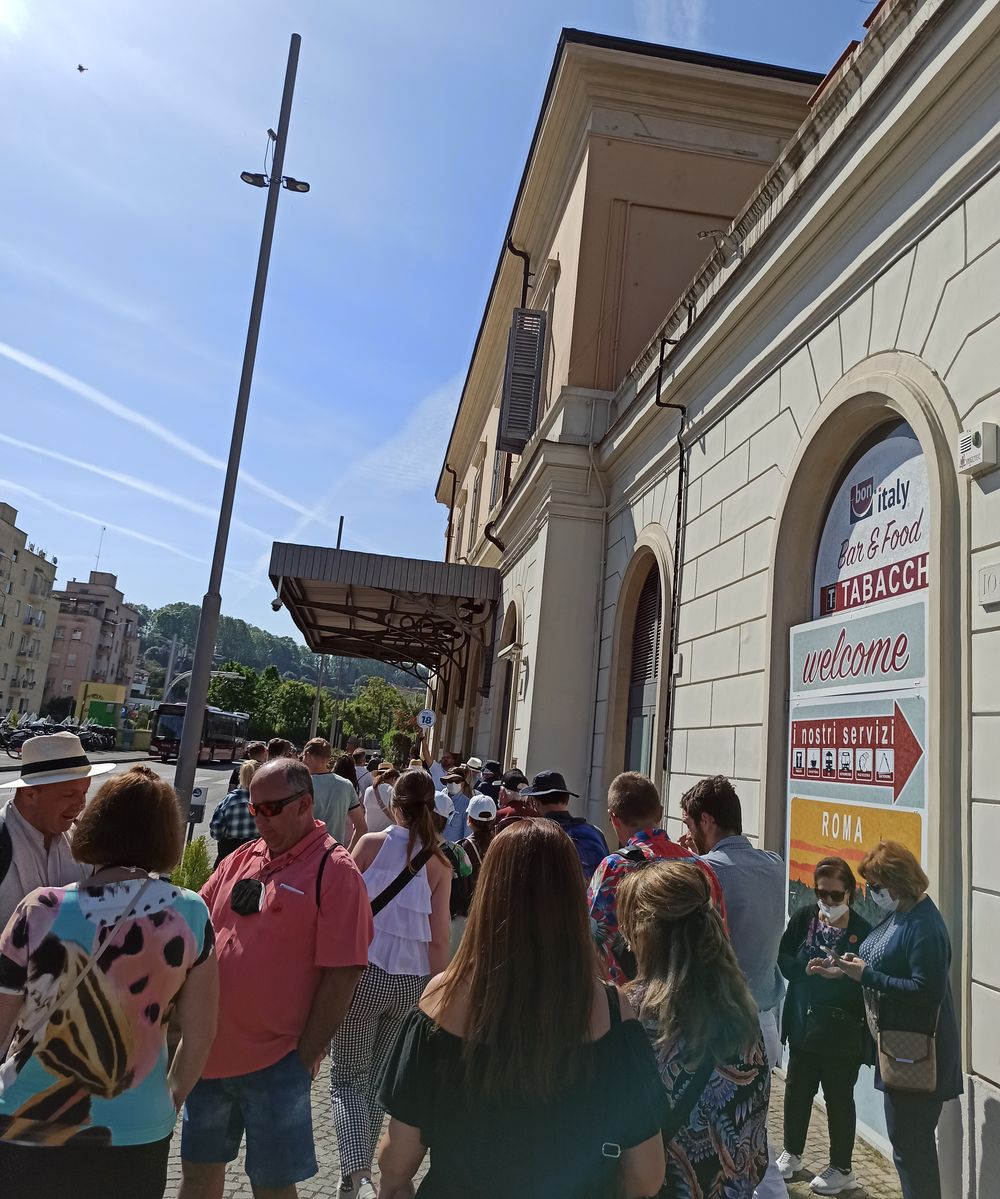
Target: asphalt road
{"type": "Point", "coordinates": [213, 778]}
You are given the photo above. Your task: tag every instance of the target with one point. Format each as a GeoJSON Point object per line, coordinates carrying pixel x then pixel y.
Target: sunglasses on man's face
{"type": "Point", "coordinates": [271, 807]}
{"type": "Point", "coordinates": [830, 896]}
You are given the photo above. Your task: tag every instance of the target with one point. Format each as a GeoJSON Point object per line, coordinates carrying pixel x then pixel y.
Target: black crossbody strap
{"type": "Point", "coordinates": [405, 876]}
{"type": "Point", "coordinates": [680, 1115]}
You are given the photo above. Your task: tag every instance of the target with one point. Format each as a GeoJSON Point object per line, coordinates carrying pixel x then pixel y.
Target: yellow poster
{"type": "Point", "coordinates": [820, 828]}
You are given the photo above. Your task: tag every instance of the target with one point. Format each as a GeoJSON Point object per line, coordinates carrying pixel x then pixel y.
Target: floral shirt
{"type": "Point", "coordinates": [97, 1070]}
{"type": "Point", "coordinates": [602, 894]}
{"type": "Point", "coordinates": [722, 1148]}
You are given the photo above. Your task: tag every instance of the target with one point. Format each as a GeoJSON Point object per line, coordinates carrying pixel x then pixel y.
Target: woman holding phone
{"type": "Point", "coordinates": [823, 1023]}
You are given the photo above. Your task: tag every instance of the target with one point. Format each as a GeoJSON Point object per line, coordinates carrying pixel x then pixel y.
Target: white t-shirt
{"type": "Point", "coordinates": [365, 780]}
{"type": "Point", "coordinates": [378, 812]}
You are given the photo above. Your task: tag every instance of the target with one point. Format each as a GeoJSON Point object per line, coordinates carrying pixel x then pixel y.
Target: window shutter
{"type": "Point", "coordinates": [522, 380]}
{"type": "Point", "coordinates": [646, 638]}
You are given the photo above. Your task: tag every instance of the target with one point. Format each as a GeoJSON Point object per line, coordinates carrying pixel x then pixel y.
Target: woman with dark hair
{"type": "Point", "coordinates": [90, 975]}
{"type": "Point", "coordinates": [520, 1072]}
{"type": "Point", "coordinates": [409, 884]}
{"type": "Point", "coordinates": [903, 967]}
{"type": "Point", "coordinates": [378, 798]}
{"type": "Point", "coordinates": [344, 766]}
{"type": "Point", "coordinates": [693, 1000]}
{"type": "Point", "coordinates": [823, 1021]}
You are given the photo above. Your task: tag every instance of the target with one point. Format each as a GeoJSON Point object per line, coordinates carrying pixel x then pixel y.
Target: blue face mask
{"type": "Point", "coordinates": [881, 898]}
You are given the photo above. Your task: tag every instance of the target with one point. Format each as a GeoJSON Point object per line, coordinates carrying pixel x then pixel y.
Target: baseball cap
{"type": "Point", "coordinates": [493, 767]}
{"type": "Point", "coordinates": [482, 808]}
{"type": "Point", "coordinates": [443, 805]}
{"type": "Point", "coordinates": [514, 779]}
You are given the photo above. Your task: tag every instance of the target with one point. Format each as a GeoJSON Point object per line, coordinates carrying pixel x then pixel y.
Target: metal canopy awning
{"type": "Point", "coordinates": [399, 610]}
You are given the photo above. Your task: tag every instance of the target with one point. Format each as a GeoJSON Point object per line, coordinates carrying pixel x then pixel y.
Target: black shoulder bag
{"type": "Point", "coordinates": [405, 876]}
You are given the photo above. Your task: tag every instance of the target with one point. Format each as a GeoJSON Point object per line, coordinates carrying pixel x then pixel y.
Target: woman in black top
{"type": "Point", "coordinates": [823, 1022]}
{"type": "Point", "coordinates": [521, 1072]}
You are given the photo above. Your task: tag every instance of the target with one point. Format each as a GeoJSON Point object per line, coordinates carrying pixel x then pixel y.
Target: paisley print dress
{"type": "Point", "coordinates": [97, 1070]}
{"type": "Point", "coordinates": [721, 1152]}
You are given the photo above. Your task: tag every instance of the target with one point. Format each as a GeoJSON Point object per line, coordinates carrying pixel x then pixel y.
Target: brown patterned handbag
{"type": "Point", "coordinates": [907, 1061]}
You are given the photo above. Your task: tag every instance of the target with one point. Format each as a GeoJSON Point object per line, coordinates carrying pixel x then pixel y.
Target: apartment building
{"type": "Point", "coordinates": [96, 638]}
{"type": "Point", "coordinates": [27, 611]}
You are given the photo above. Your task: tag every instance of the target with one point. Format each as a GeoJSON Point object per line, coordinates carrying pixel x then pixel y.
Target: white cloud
{"type": "Point", "coordinates": [100, 522]}
{"type": "Point", "coordinates": [671, 22]}
{"type": "Point", "coordinates": [153, 428]}
{"type": "Point", "coordinates": [408, 461]}
{"type": "Point", "coordinates": [130, 481]}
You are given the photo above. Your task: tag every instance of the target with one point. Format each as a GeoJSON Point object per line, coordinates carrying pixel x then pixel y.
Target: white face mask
{"type": "Point", "coordinates": [454, 788]}
{"type": "Point", "coordinates": [883, 900]}
{"type": "Point", "coordinates": [833, 913]}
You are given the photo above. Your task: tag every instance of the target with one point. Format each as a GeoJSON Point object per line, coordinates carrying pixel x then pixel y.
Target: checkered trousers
{"type": "Point", "coordinates": [358, 1056]}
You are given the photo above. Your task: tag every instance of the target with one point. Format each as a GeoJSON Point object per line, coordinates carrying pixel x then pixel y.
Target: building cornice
{"type": "Point", "coordinates": [591, 71]}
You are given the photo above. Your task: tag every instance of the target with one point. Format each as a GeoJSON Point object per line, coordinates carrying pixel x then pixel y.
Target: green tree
{"type": "Point", "coordinates": [378, 708]}
{"type": "Point", "coordinates": [292, 711]}
{"type": "Point", "coordinates": [235, 695]}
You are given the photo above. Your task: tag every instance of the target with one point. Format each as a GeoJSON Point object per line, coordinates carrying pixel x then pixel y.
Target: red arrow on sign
{"type": "Point", "coordinates": [831, 748]}
{"type": "Point", "coordinates": [909, 751]}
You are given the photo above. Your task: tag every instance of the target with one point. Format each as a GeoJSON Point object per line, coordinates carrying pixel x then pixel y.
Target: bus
{"type": "Point", "coordinates": [223, 734]}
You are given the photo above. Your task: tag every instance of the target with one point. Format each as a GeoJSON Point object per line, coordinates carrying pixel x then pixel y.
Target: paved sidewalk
{"type": "Point", "coordinates": [876, 1173]}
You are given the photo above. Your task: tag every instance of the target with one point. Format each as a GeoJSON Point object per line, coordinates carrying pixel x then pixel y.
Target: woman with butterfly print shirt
{"type": "Point", "coordinates": [87, 1103]}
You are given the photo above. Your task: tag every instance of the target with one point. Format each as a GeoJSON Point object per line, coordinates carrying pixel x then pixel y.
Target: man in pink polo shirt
{"type": "Point", "coordinates": [292, 928]}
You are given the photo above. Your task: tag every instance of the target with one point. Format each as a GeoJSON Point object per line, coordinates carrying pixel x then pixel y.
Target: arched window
{"type": "Point", "coordinates": [643, 676]}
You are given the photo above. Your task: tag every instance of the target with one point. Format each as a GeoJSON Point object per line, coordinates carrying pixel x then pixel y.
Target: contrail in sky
{"type": "Point", "coordinates": [114, 476]}
{"type": "Point", "coordinates": [8, 485]}
{"type": "Point", "coordinates": [93, 396]}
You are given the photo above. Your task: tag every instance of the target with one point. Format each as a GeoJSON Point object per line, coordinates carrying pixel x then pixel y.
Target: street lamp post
{"type": "Point", "coordinates": [187, 759]}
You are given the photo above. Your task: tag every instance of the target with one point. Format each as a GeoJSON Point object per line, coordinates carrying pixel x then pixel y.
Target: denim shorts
{"type": "Point", "coordinates": [273, 1106]}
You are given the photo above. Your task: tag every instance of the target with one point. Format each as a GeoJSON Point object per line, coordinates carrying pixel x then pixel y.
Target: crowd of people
{"type": "Point", "coordinates": [535, 1013]}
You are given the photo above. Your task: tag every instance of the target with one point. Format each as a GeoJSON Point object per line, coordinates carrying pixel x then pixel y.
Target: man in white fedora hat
{"type": "Point", "coordinates": [34, 825]}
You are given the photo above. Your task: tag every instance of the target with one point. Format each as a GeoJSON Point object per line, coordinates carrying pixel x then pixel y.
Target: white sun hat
{"type": "Point", "coordinates": [56, 758]}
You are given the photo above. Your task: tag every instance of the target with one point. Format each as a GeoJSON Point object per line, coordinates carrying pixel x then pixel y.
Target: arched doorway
{"type": "Point", "coordinates": [644, 675]}
{"type": "Point", "coordinates": [510, 660]}
{"type": "Point", "coordinates": [638, 668]}
{"type": "Point", "coordinates": [884, 399]}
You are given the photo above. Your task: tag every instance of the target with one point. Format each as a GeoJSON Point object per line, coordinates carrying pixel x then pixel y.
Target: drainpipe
{"type": "Point", "coordinates": [675, 590]}
{"type": "Point", "coordinates": [491, 536]}
{"type": "Point", "coordinates": [451, 510]}
{"type": "Point", "coordinates": [526, 278]}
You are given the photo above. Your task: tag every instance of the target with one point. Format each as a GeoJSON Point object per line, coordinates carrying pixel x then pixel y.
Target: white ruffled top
{"type": "Point", "coordinates": [403, 927]}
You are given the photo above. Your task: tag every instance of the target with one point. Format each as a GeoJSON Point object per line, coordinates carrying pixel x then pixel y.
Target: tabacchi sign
{"type": "Point", "coordinates": [877, 535]}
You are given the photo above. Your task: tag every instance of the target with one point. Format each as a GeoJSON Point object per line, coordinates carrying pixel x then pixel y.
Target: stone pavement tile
{"type": "Point", "coordinates": [875, 1173]}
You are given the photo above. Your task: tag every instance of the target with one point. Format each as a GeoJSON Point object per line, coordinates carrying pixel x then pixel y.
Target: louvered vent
{"type": "Point", "coordinates": [522, 380]}
{"type": "Point", "coordinates": [646, 639]}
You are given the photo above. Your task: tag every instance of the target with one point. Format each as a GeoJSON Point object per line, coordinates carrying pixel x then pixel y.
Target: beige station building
{"type": "Point", "coordinates": [27, 617]}
{"type": "Point", "coordinates": [723, 485]}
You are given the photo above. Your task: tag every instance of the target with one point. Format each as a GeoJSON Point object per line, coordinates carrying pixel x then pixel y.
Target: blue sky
{"type": "Point", "coordinates": [128, 247]}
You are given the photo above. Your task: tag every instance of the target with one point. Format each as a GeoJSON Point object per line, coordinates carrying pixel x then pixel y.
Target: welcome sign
{"type": "Point", "coordinates": [884, 648]}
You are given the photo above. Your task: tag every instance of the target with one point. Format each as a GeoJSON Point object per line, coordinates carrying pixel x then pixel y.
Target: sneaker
{"type": "Point", "coordinates": [346, 1186]}
{"type": "Point", "coordinates": [788, 1164]}
{"type": "Point", "coordinates": [367, 1189]}
{"type": "Point", "coordinates": [832, 1181]}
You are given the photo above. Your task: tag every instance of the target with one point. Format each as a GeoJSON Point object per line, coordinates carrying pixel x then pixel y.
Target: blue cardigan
{"type": "Point", "coordinates": [913, 984]}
